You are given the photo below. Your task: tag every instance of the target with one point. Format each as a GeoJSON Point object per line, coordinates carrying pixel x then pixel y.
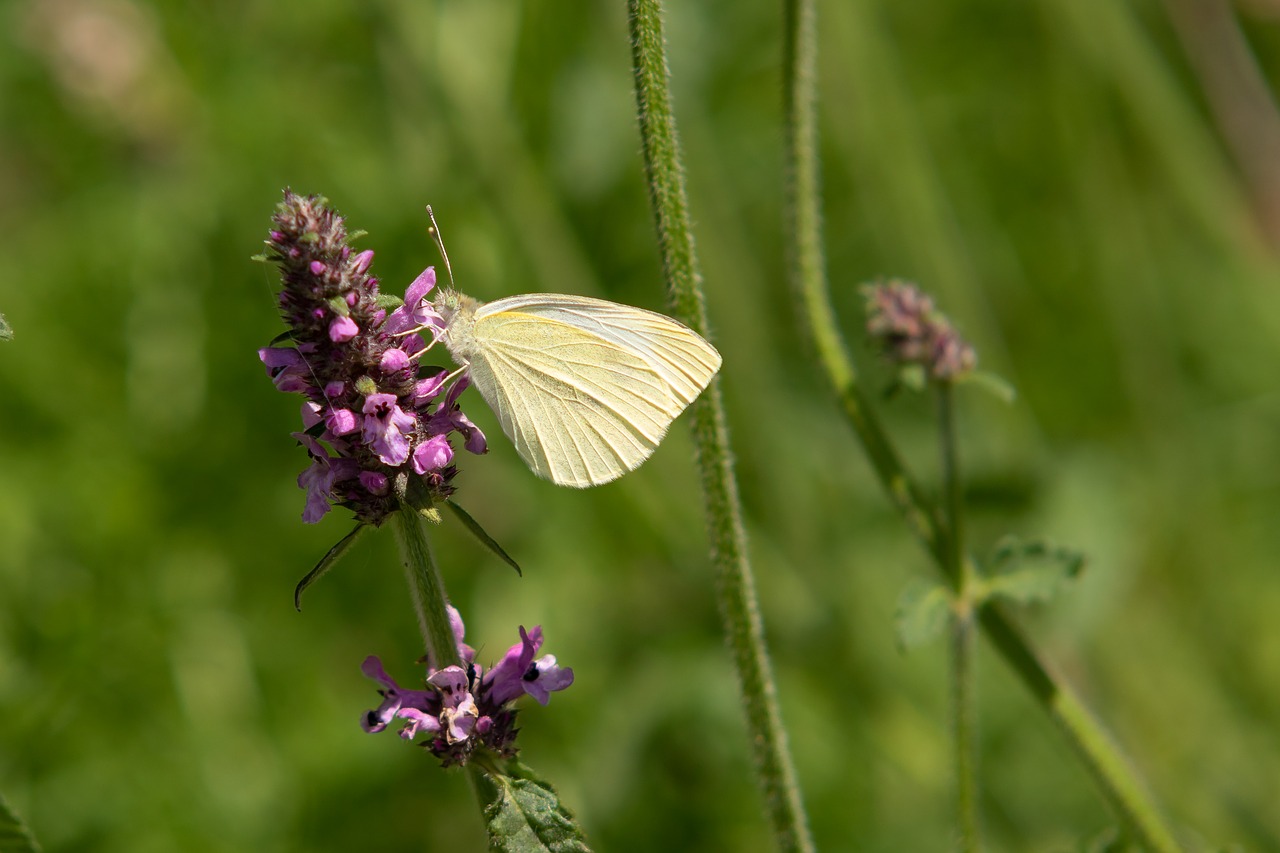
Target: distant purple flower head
{"type": "Point", "coordinates": [465, 707]}
{"type": "Point", "coordinates": [374, 418]}
{"type": "Point", "coordinates": [902, 319]}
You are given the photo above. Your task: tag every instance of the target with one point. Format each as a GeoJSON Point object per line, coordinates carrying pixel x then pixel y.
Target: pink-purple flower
{"type": "Point", "coordinates": [374, 417]}
{"type": "Point", "coordinates": [465, 707]}
{"type": "Point", "coordinates": [902, 319]}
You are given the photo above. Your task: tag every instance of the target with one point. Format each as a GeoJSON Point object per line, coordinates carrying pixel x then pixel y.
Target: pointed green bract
{"type": "Point", "coordinates": [14, 835]}
{"type": "Point", "coordinates": [485, 539]}
{"type": "Point", "coordinates": [994, 384]}
{"type": "Point", "coordinates": [523, 813]}
{"type": "Point", "coordinates": [388, 301]}
{"type": "Point", "coordinates": [327, 562]}
{"type": "Point", "coordinates": [1024, 572]}
{"type": "Point", "coordinates": [923, 611]}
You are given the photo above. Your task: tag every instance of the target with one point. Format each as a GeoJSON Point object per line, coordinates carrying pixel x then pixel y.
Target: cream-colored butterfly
{"type": "Point", "coordinates": [584, 388]}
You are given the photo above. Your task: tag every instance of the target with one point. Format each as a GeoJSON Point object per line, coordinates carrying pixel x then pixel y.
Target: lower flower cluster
{"type": "Point", "coordinates": [463, 708]}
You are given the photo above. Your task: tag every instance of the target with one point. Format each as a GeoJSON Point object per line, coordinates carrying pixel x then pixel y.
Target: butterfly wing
{"type": "Point", "coordinates": [679, 355]}
{"type": "Point", "coordinates": [584, 388]}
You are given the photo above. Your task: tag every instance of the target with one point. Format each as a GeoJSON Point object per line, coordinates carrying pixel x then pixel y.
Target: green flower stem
{"type": "Point", "coordinates": [963, 676]}
{"type": "Point", "coordinates": [1102, 757]}
{"type": "Point", "coordinates": [1118, 781]}
{"type": "Point", "coordinates": [739, 608]}
{"type": "Point", "coordinates": [429, 602]}
{"type": "Point", "coordinates": [808, 272]}
{"type": "Point", "coordinates": [956, 568]}
{"type": "Point", "coordinates": [429, 599]}
{"type": "Point", "coordinates": [964, 702]}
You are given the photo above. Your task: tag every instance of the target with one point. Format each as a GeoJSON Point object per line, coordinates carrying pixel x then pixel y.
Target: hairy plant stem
{"type": "Point", "coordinates": [963, 675]}
{"type": "Point", "coordinates": [1115, 777]}
{"type": "Point", "coordinates": [739, 608]}
{"type": "Point", "coordinates": [426, 586]}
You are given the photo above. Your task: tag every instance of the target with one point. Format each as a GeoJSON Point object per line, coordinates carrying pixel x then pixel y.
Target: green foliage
{"type": "Point", "coordinates": [924, 609]}
{"type": "Point", "coordinates": [997, 386]}
{"type": "Point", "coordinates": [327, 562]}
{"type": "Point", "coordinates": [1026, 572]}
{"type": "Point", "coordinates": [482, 536]}
{"type": "Point", "coordinates": [14, 835]}
{"type": "Point", "coordinates": [523, 814]}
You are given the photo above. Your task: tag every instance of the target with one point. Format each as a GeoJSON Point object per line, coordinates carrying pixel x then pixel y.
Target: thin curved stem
{"type": "Point", "coordinates": [739, 608]}
{"type": "Point", "coordinates": [1117, 779]}
{"type": "Point", "coordinates": [963, 674]}
{"type": "Point", "coordinates": [427, 587]}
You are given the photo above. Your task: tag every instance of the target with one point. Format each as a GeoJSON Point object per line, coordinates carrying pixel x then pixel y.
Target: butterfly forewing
{"type": "Point", "coordinates": [683, 360]}
{"type": "Point", "coordinates": [579, 410]}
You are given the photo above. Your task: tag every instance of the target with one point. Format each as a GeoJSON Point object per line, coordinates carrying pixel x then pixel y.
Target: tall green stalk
{"type": "Point", "coordinates": [427, 588]}
{"type": "Point", "coordinates": [430, 603]}
{"type": "Point", "coordinates": [1117, 779]}
{"type": "Point", "coordinates": [739, 609]}
{"type": "Point", "coordinates": [963, 675]}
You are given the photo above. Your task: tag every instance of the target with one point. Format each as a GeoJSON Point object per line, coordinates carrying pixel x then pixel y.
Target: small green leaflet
{"type": "Point", "coordinates": [924, 609]}
{"type": "Point", "coordinates": [485, 539]}
{"type": "Point", "coordinates": [14, 835]}
{"type": "Point", "coordinates": [327, 562]}
{"type": "Point", "coordinates": [523, 814]}
{"type": "Point", "coordinates": [1025, 572]}
{"type": "Point", "coordinates": [995, 385]}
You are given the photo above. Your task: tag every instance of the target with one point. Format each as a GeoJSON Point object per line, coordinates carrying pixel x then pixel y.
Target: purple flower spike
{"type": "Point", "coordinates": [546, 677]}
{"type": "Point", "coordinates": [420, 707]}
{"type": "Point", "coordinates": [901, 317]}
{"type": "Point", "coordinates": [417, 312]}
{"type": "Point", "coordinates": [432, 455]}
{"type": "Point", "coordinates": [465, 652]}
{"type": "Point", "coordinates": [341, 422]}
{"type": "Point", "coordinates": [375, 482]}
{"type": "Point", "coordinates": [319, 479]}
{"type": "Point", "coordinates": [343, 329]}
{"type": "Point", "coordinates": [393, 360]}
{"type": "Point", "coordinates": [359, 372]}
{"type": "Point", "coordinates": [287, 368]}
{"type": "Point", "coordinates": [428, 389]}
{"type": "Point", "coordinates": [519, 673]}
{"type": "Point", "coordinates": [385, 428]}
{"type": "Point", "coordinates": [468, 708]}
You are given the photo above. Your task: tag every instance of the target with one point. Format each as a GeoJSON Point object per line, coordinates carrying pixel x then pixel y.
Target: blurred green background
{"type": "Point", "coordinates": [1060, 173]}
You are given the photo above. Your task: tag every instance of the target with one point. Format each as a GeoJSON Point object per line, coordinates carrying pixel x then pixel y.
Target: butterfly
{"type": "Point", "coordinates": [584, 388]}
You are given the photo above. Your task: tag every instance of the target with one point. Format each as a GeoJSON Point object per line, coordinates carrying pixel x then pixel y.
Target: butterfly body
{"type": "Point", "coordinates": [584, 388]}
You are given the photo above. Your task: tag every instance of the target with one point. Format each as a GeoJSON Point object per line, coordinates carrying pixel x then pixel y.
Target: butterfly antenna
{"type": "Point", "coordinates": [435, 235]}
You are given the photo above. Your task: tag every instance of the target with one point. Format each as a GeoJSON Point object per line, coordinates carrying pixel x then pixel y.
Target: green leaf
{"type": "Point", "coordinates": [1024, 572]}
{"type": "Point", "coordinates": [479, 532]}
{"type": "Point", "coordinates": [388, 302]}
{"type": "Point", "coordinates": [327, 562]}
{"type": "Point", "coordinates": [924, 608]}
{"type": "Point", "coordinates": [523, 814]}
{"type": "Point", "coordinates": [912, 377]}
{"type": "Point", "coordinates": [14, 835]}
{"type": "Point", "coordinates": [994, 384]}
